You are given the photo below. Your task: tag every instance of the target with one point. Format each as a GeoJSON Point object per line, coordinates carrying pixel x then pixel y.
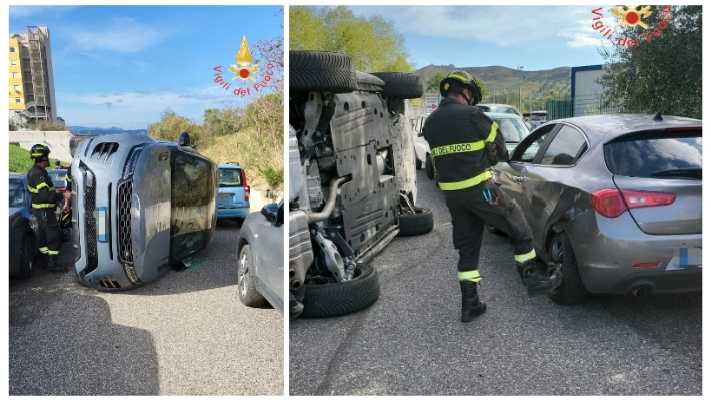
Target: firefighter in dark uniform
{"type": "Point", "coordinates": [465, 144]}
{"type": "Point", "coordinates": [44, 205]}
{"type": "Point", "coordinates": [66, 216]}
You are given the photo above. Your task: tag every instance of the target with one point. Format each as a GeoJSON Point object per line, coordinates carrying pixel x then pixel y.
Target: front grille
{"type": "Point", "coordinates": [123, 203]}
{"type": "Point", "coordinates": [92, 259]}
{"type": "Point", "coordinates": [103, 151]}
{"type": "Point", "coordinates": [109, 284]}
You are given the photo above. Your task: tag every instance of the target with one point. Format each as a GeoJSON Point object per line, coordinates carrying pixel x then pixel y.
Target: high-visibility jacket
{"type": "Point", "coordinates": [41, 189]}
{"type": "Point", "coordinates": [458, 135]}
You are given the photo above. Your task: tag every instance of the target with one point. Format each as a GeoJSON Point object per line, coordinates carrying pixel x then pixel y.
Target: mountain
{"type": "Point", "coordinates": [83, 130]}
{"type": "Point", "coordinates": [535, 86]}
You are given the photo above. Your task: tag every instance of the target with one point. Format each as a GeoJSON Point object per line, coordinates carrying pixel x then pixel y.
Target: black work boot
{"type": "Point", "coordinates": [537, 279]}
{"type": "Point", "coordinates": [471, 306]}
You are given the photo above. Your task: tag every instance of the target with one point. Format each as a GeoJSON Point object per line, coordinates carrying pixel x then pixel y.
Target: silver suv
{"type": "Point", "coordinates": [140, 207]}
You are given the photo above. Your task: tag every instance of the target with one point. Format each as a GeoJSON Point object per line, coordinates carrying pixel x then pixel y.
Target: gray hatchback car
{"type": "Point", "coordinates": [140, 207]}
{"type": "Point", "coordinates": [615, 200]}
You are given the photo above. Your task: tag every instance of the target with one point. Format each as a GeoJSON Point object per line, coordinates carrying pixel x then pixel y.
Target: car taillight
{"type": "Point", "coordinates": [608, 203]}
{"type": "Point", "coordinates": [611, 203]}
{"type": "Point", "coordinates": [639, 199]}
{"type": "Point", "coordinates": [243, 179]}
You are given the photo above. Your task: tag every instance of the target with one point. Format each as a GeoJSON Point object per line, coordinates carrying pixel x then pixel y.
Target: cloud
{"type": "Point", "coordinates": [503, 26]}
{"type": "Point", "coordinates": [121, 34]}
{"type": "Point", "coordinates": [136, 109]}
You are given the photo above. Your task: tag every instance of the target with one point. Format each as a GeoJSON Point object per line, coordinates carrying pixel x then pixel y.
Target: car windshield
{"type": "Point", "coordinates": [58, 177]}
{"type": "Point", "coordinates": [230, 177]}
{"type": "Point", "coordinates": [656, 156]}
{"type": "Point", "coordinates": [17, 193]}
{"type": "Point", "coordinates": [513, 129]}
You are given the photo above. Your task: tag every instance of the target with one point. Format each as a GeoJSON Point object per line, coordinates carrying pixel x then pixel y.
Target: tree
{"type": "Point", "coordinates": [372, 43]}
{"type": "Point", "coordinates": [171, 125]}
{"type": "Point", "coordinates": [662, 75]}
{"type": "Point", "coordinates": [272, 51]}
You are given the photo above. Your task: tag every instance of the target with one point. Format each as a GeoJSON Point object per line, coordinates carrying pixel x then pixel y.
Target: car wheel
{"type": "Point", "coordinates": [247, 290]}
{"type": "Point", "coordinates": [341, 298]}
{"type": "Point", "coordinates": [571, 289]}
{"type": "Point", "coordinates": [429, 166]}
{"type": "Point", "coordinates": [401, 85]}
{"type": "Point", "coordinates": [419, 223]}
{"type": "Point", "coordinates": [27, 257]}
{"type": "Point", "coordinates": [321, 71]}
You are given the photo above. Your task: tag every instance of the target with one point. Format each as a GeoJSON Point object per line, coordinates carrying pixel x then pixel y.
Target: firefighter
{"type": "Point", "coordinates": [44, 205]}
{"type": "Point", "coordinates": [465, 144]}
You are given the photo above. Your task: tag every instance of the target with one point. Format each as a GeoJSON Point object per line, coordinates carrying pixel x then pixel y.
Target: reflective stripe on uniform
{"type": "Point", "coordinates": [68, 178]}
{"type": "Point", "coordinates": [43, 205]}
{"type": "Point", "coordinates": [36, 154]}
{"type": "Point", "coordinates": [466, 147]}
{"type": "Point", "coordinates": [37, 188]}
{"type": "Point", "coordinates": [458, 185]}
{"type": "Point", "coordinates": [47, 251]}
{"type": "Point", "coordinates": [522, 258]}
{"type": "Point", "coordinates": [44, 250]}
{"type": "Point", "coordinates": [472, 276]}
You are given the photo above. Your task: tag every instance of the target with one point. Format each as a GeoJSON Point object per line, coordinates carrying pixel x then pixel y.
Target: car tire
{"type": "Point", "coordinates": [401, 85]}
{"type": "Point", "coordinates": [246, 288]}
{"type": "Point", "coordinates": [571, 289]}
{"type": "Point", "coordinates": [27, 257]}
{"type": "Point", "coordinates": [321, 71]}
{"type": "Point", "coordinates": [341, 298]}
{"type": "Point", "coordinates": [419, 223]}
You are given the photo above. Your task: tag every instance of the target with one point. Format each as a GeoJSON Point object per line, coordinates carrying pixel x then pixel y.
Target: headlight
{"type": "Point", "coordinates": [132, 159]}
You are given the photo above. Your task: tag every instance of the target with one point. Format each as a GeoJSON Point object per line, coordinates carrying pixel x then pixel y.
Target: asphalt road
{"type": "Point", "coordinates": [410, 342]}
{"type": "Point", "coordinates": [185, 334]}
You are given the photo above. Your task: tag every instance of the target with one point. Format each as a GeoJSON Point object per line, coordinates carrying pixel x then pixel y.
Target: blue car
{"type": "Point", "coordinates": [23, 229]}
{"type": "Point", "coordinates": [233, 192]}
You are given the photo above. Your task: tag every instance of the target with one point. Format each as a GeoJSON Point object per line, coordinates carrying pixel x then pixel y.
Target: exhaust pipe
{"type": "Point", "coordinates": [330, 202]}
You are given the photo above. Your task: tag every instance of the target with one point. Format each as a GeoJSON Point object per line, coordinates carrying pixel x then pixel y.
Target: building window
{"type": "Point", "coordinates": [13, 62]}
{"type": "Point", "coordinates": [18, 100]}
{"type": "Point", "coordinates": [17, 88]}
{"type": "Point", "coordinates": [15, 75]}
{"type": "Point", "coordinates": [12, 49]}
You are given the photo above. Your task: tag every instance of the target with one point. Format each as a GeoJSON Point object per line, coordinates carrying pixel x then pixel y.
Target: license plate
{"type": "Point", "coordinates": [685, 258]}
{"type": "Point", "coordinates": [101, 224]}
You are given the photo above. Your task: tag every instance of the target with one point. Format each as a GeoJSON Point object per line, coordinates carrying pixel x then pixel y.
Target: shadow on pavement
{"type": "Point", "coordinates": [63, 342]}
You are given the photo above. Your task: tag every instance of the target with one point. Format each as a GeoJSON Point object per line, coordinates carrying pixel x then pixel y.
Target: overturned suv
{"type": "Point", "coordinates": [352, 180]}
{"type": "Point", "coordinates": [141, 206]}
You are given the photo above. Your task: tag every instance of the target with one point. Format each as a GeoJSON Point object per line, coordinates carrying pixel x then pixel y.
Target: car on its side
{"type": "Point", "coordinates": [140, 207]}
{"type": "Point", "coordinates": [23, 228]}
{"type": "Point", "coordinates": [232, 192]}
{"type": "Point", "coordinates": [499, 108]}
{"type": "Point", "coordinates": [352, 180]}
{"type": "Point", "coordinates": [260, 265]}
{"type": "Point", "coordinates": [614, 201]}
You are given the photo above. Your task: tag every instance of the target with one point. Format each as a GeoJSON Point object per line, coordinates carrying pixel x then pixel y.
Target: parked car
{"type": "Point", "coordinates": [140, 206]}
{"type": "Point", "coordinates": [59, 178]}
{"type": "Point", "coordinates": [534, 119]}
{"type": "Point", "coordinates": [352, 180]}
{"type": "Point", "coordinates": [499, 108]}
{"type": "Point", "coordinates": [260, 267]}
{"type": "Point", "coordinates": [511, 126]}
{"type": "Point", "coordinates": [23, 228]}
{"type": "Point", "coordinates": [233, 192]}
{"type": "Point", "coordinates": [614, 201]}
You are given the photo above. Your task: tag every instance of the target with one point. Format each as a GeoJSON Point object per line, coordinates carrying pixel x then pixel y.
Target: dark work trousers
{"type": "Point", "coordinates": [49, 238]}
{"type": "Point", "coordinates": [474, 207]}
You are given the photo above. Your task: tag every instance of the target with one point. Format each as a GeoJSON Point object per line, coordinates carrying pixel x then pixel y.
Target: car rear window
{"type": "Point", "coordinates": [230, 177]}
{"type": "Point", "coordinates": [656, 155]}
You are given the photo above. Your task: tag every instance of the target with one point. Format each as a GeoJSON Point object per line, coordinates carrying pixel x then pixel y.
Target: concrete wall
{"type": "Point", "coordinates": [57, 141]}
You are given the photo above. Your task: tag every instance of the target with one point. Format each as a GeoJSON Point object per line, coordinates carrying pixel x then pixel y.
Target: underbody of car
{"type": "Point", "coordinates": [140, 207]}
{"type": "Point", "coordinates": [352, 178]}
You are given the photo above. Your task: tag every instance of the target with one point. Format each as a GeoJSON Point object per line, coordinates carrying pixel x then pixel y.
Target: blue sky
{"type": "Point", "coordinates": [535, 37]}
{"type": "Point", "coordinates": [124, 65]}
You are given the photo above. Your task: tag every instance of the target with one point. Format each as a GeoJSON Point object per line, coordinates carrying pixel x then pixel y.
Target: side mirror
{"type": "Point", "coordinates": [271, 213]}
{"type": "Point", "coordinates": [184, 139]}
